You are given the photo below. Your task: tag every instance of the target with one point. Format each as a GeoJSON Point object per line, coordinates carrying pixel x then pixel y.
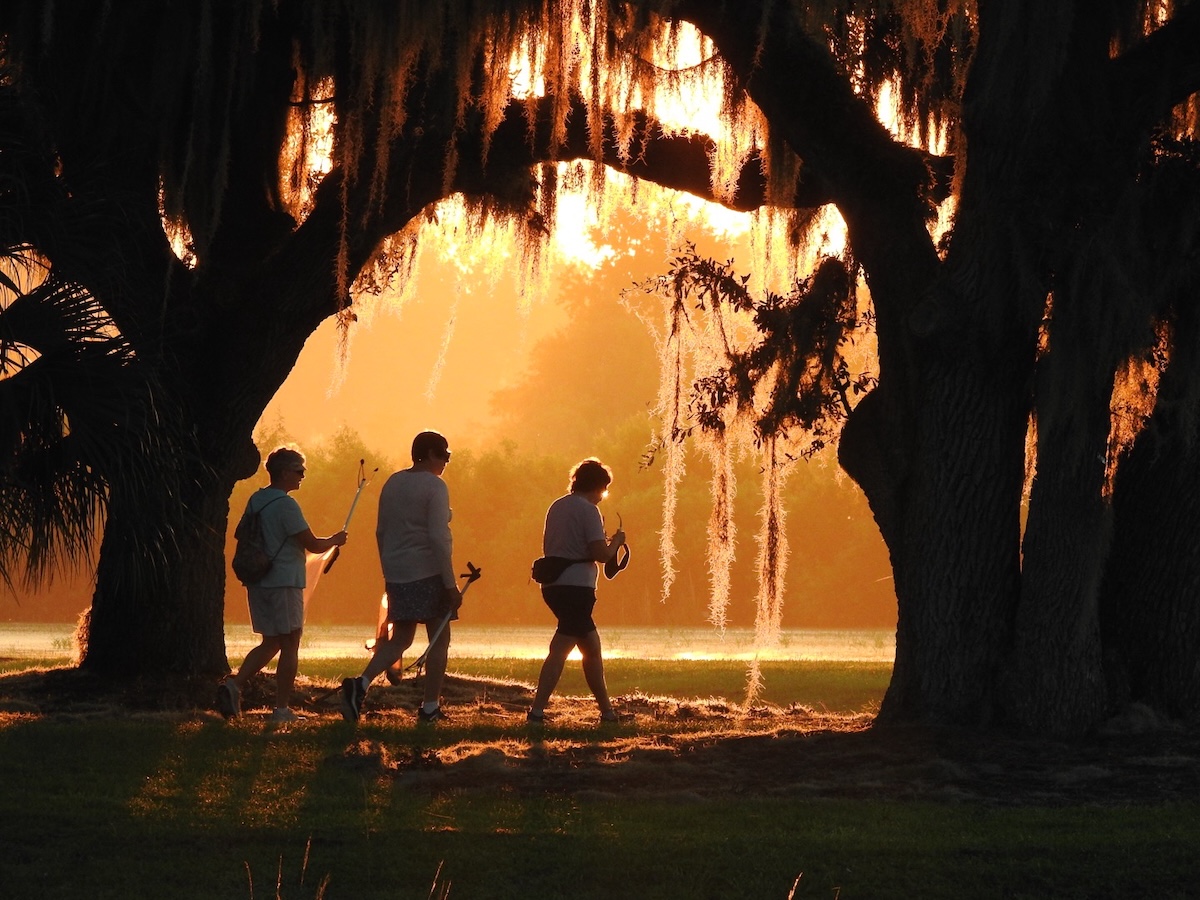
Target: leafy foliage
{"type": "Point", "coordinates": [792, 374]}
{"type": "Point", "coordinates": [78, 418]}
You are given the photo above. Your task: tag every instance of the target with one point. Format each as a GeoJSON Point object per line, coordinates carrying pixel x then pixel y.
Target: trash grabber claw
{"type": "Point", "coordinates": [473, 574]}
{"type": "Point", "coordinates": [362, 482]}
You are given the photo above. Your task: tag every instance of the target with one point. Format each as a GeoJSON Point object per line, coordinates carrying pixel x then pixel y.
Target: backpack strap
{"type": "Point", "coordinates": [258, 512]}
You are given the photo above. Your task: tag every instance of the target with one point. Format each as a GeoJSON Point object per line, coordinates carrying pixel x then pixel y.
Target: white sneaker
{"type": "Point", "coordinates": [283, 714]}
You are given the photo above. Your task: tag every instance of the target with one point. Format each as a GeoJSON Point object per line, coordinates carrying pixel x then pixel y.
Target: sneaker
{"type": "Point", "coordinates": [612, 717]}
{"type": "Point", "coordinates": [428, 718]}
{"type": "Point", "coordinates": [534, 717]}
{"type": "Point", "coordinates": [283, 714]}
{"type": "Point", "coordinates": [229, 700]}
{"type": "Point", "coordinates": [353, 693]}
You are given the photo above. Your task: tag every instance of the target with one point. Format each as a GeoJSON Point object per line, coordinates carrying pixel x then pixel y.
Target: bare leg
{"type": "Point", "coordinates": [257, 658]}
{"type": "Point", "coordinates": [560, 646]}
{"type": "Point", "coordinates": [285, 672]}
{"type": "Point", "coordinates": [387, 652]}
{"type": "Point", "coordinates": [593, 670]}
{"type": "Point", "coordinates": [435, 663]}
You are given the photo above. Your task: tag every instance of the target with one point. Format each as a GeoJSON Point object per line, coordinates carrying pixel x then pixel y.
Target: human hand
{"type": "Point", "coordinates": [454, 597]}
{"type": "Point", "coordinates": [340, 538]}
{"type": "Point", "coordinates": [618, 538]}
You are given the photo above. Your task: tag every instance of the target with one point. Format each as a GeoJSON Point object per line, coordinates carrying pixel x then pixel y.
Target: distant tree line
{"type": "Point", "coordinates": [838, 576]}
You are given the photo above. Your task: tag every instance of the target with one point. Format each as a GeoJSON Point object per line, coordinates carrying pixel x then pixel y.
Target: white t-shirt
{"type": "Point", "coordinates": [413, 529]}
{"type": "Point", "coordinates": [572, 522]}
{"type": "Point", "coordinates": [281, 519]}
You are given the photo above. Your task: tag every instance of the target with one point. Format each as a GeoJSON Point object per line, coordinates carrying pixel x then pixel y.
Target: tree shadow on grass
{"type": "Point", "coordinates": [668, 747]}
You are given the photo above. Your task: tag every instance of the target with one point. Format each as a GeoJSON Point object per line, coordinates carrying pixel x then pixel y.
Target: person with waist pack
{"type": "Point", "coordinates": [574, 532]}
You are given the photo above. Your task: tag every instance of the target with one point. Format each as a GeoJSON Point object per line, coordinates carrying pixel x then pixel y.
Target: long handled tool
{"type": "Point", "coordinates": [362, 482]}
{"type": "Point", "coordinates": [395, 673]}
{"type": "Point", "coordinates": [473, 574]}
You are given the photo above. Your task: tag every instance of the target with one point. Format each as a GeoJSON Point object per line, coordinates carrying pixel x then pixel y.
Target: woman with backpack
{"type": "Point", "coordinates": [276, 598]}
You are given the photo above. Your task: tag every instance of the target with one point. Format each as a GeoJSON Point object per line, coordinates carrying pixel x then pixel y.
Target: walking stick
{"type": "Point", "coordinates": [472, 574]}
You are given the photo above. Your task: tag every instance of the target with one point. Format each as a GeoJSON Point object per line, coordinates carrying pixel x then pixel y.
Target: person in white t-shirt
{"type": "Point", "coordinates": [277, 601]}
{"type": "Point", "coordinates": [575, 530]}
{"type": "Point", "coordinates": [415, 547]}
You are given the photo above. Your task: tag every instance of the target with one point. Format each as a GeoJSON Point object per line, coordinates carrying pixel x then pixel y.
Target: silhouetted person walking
{"type": "Point", "coordinates": [415, 548]}
{"type": "Point", "coordinates": [574, 530]}
{"type": "Point", "coordinates": [277, 601]}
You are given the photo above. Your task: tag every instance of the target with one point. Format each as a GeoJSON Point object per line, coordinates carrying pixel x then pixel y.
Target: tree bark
{"type": "Point", "coordinates": [1150, 610]}
{"type": "Point", "coordinates": [1056, 683]}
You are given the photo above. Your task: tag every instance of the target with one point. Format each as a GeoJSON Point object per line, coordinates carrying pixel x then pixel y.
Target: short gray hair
{"type": "Point", "coordinates": [282, 459]}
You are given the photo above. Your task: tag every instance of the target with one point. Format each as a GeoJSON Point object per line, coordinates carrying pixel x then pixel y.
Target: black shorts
{"type": "Point", "coordinates": [573, 607]}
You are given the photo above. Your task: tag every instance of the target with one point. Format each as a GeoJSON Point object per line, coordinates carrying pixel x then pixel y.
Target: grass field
{"type": "Point", "coordinates": [694, 798]}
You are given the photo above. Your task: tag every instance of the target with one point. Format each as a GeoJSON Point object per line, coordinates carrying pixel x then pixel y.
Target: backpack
{"type": "Point", "coordinates": [250, 560]}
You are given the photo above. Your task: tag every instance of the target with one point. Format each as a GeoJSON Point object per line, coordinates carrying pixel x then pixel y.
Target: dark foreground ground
{"type": "Point", "coordinates": [670, 747]}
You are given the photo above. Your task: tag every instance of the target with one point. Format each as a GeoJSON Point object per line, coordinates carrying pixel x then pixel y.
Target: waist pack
{"type": "Point", "coordinates": [547, 568]}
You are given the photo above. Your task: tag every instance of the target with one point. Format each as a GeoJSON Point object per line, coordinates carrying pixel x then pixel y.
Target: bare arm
{"type": "Point", "coordinates": [603, 551]}
{"type": "Point", "coordinates": [314, 544]}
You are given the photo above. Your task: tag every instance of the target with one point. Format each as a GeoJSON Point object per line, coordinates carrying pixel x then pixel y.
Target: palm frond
{"type": "Point", "coordinates": [79, 418]}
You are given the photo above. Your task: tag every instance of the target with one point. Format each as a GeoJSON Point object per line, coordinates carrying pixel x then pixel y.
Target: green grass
{"type": "Point", "coordinates": [9, 664]}
{"type": "Point", "coordinates": [119, 805]}
{"type": "Point", "coordinates": [837, 686]}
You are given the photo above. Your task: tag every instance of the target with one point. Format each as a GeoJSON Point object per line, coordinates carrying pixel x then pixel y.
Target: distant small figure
{"type": "Point", "coordinates": [574, 530]}
{"type": "Point", "coordinates": [277, 601]}
{"type": "Point", "coordinates": [415, 549]}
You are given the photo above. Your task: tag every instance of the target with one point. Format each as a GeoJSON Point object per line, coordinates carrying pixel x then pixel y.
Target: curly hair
{"type": "Point", "coordinates": [590, 475]}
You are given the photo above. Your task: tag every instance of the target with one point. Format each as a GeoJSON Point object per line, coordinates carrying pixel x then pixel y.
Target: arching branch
{"type": "Point", "coordinates": [1161, 71]}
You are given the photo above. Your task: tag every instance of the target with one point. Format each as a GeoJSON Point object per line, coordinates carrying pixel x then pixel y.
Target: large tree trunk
{"type": "Point", "coordinates": [161, 616]}
{"type": "Point", "coordinates": [1056, 683]}
{"type": "Point", "coordinates": [158, 604]}
{"type": "Point", "coordinates": [1151, 599]}
{"type": "Point", "coordinates": [938, 446]}
{"type": "Point", "coordinates": [957, 565]}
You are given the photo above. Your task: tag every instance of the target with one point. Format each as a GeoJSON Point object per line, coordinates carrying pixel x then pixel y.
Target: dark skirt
{"type": "Point", "coordinates": [418, 601]}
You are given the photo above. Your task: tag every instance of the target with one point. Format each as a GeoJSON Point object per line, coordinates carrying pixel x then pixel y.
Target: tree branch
{"type": "Point", "coordinates": [1162, 71]}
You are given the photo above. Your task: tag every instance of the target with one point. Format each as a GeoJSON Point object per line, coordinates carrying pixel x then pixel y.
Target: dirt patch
{"type": "Point", "coordinates": [680, 750]}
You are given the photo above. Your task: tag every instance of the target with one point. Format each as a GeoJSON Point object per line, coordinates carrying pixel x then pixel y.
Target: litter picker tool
{"type": "Point", "coordinates": [362, 482]}
{"type": "Point", "coordinates": [395, 674]}
{"type": "Point", "coordinates": [317, 564]}
{"type": "Point", "coordinates": [472, 574]}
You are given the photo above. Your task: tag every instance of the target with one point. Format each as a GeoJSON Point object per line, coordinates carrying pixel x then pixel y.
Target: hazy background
{"type": "Point", "coordinates": [523, 387]}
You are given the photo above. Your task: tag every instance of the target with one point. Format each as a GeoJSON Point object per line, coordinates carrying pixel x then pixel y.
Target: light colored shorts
{"type": "Point", "coordinates": [275, 610]}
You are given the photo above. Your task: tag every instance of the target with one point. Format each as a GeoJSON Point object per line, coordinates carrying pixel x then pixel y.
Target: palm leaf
{"type": "Point", "coordinates": [79, 418]}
